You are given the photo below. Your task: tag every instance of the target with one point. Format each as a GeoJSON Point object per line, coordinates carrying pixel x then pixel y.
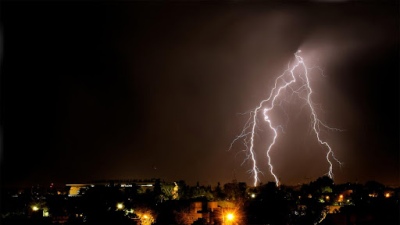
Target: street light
{"type": "Point", "coordinates": [230, 216]}
{"type": "Point", "coordinates": [341, 198]}
{"type": "Point", "coordinates": [120, 206]}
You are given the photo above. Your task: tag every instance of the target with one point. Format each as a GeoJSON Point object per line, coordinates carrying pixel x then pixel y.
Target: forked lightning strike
{"type": "Point", "coordinates": [286, 80]}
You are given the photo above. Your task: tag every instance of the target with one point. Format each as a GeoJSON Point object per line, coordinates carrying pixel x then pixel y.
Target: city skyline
{"type": "Point", "coordinates": [121, 90]}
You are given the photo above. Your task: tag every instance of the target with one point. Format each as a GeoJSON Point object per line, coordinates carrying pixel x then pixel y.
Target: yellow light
{"type": "Point", "coordinates": [35, 208]}
{"type": "Point", "coordinates": [387, 195]}
{"type": "Point", "coordinates": [253, 195]}
{"type": "Point", "coordinates": [230, 216]}
{"type": "Point", "coordinates": [145, 216]}
{"type": "Point", "coordinates": [340, 196]}
{"type": "Point", "coordinates": [373, 195]}
{"type": "Point", "coordinates": [120, 206]}
{"type": "Point", "coordinates": [327, 198]}
{"type": "Point", "coordinates": [129, 211]}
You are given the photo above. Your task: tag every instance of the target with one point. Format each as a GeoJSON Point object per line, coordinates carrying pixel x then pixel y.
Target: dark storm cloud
{"type": "Point", "coordinates": [215, 61]}
{"type": "Point", "coordinates": [200, 72]}
{"type": "Point", "coordinates": [140, 90]}
{"type": "Point", "coordinates": [1, 61]}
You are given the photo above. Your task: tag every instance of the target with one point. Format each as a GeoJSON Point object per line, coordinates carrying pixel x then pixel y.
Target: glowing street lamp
{"type": "Point", "coordinates": [341, 198]}
{"type": "Point", "coordinates": [35, 208]}
{"type": "Point", "coordinates": [120, 206]}
{"type": "Point", "coordinates": [230, 217]}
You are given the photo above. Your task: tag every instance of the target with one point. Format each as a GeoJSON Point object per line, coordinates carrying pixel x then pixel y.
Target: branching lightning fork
{"type": "Point", "coordinates": [297, 74]}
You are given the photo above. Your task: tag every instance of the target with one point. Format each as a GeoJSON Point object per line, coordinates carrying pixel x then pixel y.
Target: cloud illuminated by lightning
{"type": "Point", "coordinates": [294, 80]}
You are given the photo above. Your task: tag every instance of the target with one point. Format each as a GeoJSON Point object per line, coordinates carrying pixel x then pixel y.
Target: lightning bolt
{"type": "Point", "coordinates": [287, 80]}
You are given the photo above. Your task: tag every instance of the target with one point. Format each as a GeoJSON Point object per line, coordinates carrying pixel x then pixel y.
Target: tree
{"type": "Point", "coordinates": [218, 193]}
{"type": "Point", "coordinates": [322, 184]}
{"type": "Point", "coordinates": [146, 215]}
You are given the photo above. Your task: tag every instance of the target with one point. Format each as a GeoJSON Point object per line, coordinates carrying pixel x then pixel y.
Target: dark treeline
{"type": "Point", "coordinates": [319, 202]}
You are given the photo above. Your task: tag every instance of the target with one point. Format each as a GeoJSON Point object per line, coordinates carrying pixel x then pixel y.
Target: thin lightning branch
{"type": "Point", "coordinates": [316, 122]}
{"type": "Point", "coordinates": [282, 86]}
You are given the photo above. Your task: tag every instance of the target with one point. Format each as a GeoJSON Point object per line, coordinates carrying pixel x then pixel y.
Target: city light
{"type": "Point", "coordinates": [373, 195]}
{"type": "Point", "coordinates": [120, 206]}
{"type": "Point", "coordinates": [146, 219]}
{"type": "Point", "coordinates": [341, 198]}
{"type": "Point", "coordinates": [230, 216]}
{"type": "Point", "coordinates": [35, 208]}
{"type": "Point", "coordinates": [46, 214]}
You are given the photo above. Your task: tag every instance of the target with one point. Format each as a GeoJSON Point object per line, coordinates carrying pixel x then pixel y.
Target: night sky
{"type": "Point", "coordinates": [145, 89]}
